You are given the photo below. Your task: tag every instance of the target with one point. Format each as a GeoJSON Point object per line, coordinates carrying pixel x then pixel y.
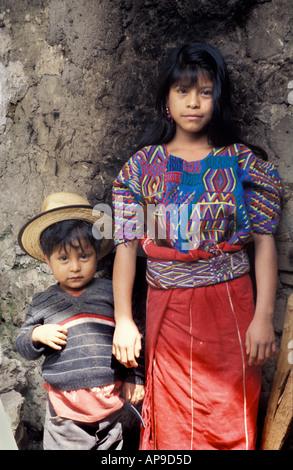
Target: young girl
{"type": "Point", "coordinates": [211, 196]}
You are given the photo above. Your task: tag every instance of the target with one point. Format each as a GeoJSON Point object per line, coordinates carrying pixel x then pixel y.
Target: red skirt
{"type": "Point", "coordinates": [200, 392]}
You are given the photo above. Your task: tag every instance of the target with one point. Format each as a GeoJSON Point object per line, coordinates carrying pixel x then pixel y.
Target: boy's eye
{"type": "Point", "coordinates": [63, 258]}
{"type": "Point", "coordinates": [86, 256]}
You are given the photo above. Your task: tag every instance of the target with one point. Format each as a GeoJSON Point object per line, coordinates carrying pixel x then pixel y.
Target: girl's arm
{"type": "Point", "coordinates": [126, 340]}
{"type": "Point", "coordinates": [260, 337]}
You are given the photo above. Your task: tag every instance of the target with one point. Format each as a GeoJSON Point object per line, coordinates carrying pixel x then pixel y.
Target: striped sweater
{"type": "Point", "coordinates": [86, 360]}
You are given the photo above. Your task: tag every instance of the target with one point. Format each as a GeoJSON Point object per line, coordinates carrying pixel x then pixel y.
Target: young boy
{"type": "Point", "coordinates": [72, 325]}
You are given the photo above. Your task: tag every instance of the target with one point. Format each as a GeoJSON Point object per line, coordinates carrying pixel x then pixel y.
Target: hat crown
{"type": "Point", "coordinates": [58, 200]}
{"type": "Point", "coordinates": [58, 207]}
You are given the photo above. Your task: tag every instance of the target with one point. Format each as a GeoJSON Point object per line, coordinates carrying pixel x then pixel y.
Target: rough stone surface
{"type": "Point", "coordinates": [13, 404]}
{"type": "Point", "coordinates": [76, 91]}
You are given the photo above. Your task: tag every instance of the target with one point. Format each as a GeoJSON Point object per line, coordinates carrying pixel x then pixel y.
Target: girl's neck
{"type": "Point", "coordinates": [190, 147]}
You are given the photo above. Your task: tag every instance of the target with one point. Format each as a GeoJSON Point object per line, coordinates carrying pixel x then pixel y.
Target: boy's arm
{"type": "Point", "coordinates": [35, 336]}
{"type": "Point", "coordinates": [52, 335]}
{"type": "Point", "coordinates": [24, 343]}
{"type": "Point", "coordinates": [133, 393]}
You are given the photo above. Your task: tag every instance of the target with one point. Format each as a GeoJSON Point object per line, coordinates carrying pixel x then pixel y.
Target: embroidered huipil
{"type": "Point", "coordinates": [209, 210]}
{"type": "Point", "coordinates": [199, 205]}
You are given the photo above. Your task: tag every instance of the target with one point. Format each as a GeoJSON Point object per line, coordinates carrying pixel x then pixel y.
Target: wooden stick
{"type": "Point", "coordinates": [279, 416]}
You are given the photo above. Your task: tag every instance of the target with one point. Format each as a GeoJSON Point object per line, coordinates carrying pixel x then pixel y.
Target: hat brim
{"type": "Point", "coordinates": [30, 233]}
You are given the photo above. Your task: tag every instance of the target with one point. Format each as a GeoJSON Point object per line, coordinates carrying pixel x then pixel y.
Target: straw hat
{"type": "Point", "coordinates": [56, 208]}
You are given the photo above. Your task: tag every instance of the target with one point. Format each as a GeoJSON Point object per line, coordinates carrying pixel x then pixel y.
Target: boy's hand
{"type": "Point", "coordinates": [51, 335]}
{"type": "Point", "coordinates": [133, 393]}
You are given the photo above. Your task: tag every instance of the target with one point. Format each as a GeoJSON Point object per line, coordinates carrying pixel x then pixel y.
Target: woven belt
{"type": "Point", "coordinates": [163, 274]}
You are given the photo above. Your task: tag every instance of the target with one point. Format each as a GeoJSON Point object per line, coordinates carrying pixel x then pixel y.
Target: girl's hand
{"type": "Point", "coordinates": [126, 343]}
{"type": "Point", "coordinates": [260, 341]}
{"type": "Point", "coordinates": [51, 335]}
{"type": "Point", "coordinates": [133, 393]}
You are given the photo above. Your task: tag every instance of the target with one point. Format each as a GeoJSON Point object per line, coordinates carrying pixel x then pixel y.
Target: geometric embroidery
{"type": "Point", "coordinates": [218, 216]}
{"type": "Point", "coordinates": [221, 180]}
{"type": "Point", "coordinates": [231, 194]}
{"type": "Point", "coordinates": [164, 274]}
{"type": "Point", "coordinates": [152, 185]}
{"type": "Point", "coordinates": [214, 198]}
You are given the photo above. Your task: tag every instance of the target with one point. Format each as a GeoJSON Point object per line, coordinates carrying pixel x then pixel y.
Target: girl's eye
{"type": "Point", "coordinates": [207, 92]}
{"type": "Point", "coordinates": [63, 258]}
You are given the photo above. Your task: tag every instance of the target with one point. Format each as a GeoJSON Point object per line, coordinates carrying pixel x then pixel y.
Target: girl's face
{"type": "Point", "coordinates": [191, 106]}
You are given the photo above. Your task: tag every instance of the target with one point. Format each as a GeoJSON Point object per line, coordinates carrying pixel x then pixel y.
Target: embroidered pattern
{"type": "Point", "coordinates": [173, 274]}
{"type": "Point", "coordinates": [223, 198]}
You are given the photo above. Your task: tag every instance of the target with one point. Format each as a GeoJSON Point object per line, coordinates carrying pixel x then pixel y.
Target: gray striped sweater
{"type": "Point", "coordinates": [86, 360]}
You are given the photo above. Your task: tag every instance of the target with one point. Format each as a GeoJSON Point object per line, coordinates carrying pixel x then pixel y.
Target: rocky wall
{"type": "Point", "coordinates": [77, 81]}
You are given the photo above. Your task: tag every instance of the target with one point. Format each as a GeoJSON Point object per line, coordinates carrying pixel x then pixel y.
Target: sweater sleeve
{"type": "Point", "coordinates": [24, 343]}
{"type": "Point", "coordinates": [262, 193]}
{"type": "Point", "coordinates": [128, 201]}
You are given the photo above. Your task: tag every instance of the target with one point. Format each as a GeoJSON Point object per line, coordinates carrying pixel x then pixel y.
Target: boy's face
{"type": "Point", "coordinates": [75, 267]}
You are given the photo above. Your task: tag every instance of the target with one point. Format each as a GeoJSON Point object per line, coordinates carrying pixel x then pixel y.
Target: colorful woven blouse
{"type": "Point", "coordinates": [198, 205]}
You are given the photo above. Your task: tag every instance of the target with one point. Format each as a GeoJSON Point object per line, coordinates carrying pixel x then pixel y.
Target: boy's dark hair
{"type": "Point", "coordinates": [65, 233]}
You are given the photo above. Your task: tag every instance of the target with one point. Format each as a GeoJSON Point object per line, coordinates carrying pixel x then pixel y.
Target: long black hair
{"type": "Point", "coordinates": [184, 63]}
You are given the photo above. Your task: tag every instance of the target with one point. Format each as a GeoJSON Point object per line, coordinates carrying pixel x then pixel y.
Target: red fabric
{"type": "Point", "coordinates": [200, 393]}
{"type": "Point", "coordinates": [155, 251]}
{"type": "Point", "coordinates": [87, 405]}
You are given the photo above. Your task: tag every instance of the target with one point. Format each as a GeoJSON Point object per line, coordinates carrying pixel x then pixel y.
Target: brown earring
{"type": "Point", "coordinates": [169, 115]}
